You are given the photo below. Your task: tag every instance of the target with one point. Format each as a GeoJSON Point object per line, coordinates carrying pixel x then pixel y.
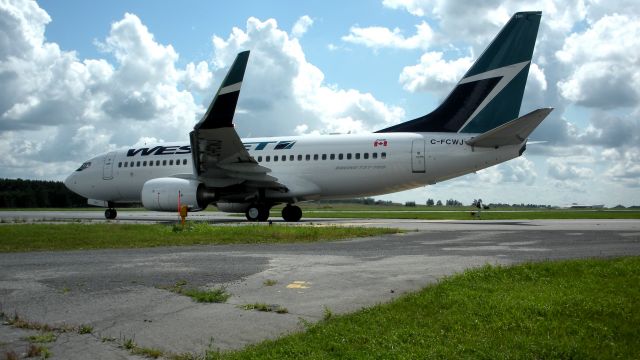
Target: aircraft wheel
{"type": "Point", "coordinates": [291, 213]}
{"type": "Point", "coordinates": [110, 214]}
{"type": "Point", "coordinates": [257, 212]}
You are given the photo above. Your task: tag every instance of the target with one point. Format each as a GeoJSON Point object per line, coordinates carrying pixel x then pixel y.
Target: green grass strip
{"type": "Point", "coordinates": [485, 215]}
{"type": "Point", "coordinates": [584, 309]}
{"type": "Point", "coordinates": [37, 237]}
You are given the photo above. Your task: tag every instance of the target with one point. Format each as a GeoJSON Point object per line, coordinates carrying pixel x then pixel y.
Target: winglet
{"type": "Point", "coordinates": [223, 107]}
{"type": "Point", "coordinates": [512, 133]}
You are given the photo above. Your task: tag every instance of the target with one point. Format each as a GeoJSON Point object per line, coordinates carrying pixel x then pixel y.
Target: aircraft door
{"type": "Point", "coordinates": [417, 156]}
{"type": "Point", "coordinates": [107, 169]}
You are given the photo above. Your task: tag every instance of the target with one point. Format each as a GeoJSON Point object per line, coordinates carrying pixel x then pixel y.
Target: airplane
{"type": "Point", "coordinates": [475, 127]}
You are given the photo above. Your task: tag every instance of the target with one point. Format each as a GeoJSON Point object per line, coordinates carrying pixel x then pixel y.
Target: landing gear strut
{"type": "Point", "coordinates": [291, 213]}
{"type": "Point", "coordinates": [258, 212]}
{"type": "Point", "coordinates": [110, 213]}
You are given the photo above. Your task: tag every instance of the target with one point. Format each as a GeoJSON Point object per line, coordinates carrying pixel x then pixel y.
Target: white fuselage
{"type": "Point", "coordinates": [312, 167]}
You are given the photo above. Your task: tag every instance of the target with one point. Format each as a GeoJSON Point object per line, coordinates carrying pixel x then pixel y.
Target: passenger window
{"type": "Point", "coordinates": [157, 162]}
{"type": "Point", "coordinates": [284, 157]}
{"type": "Point", "coordinates": [119, 164]}
{"type": "Point", "coordinates": [332, 156]}
{"type": "Point", "coordinates": [299, 157]}
{"type": "Point", "coordinates": [125, 164]}
{"type": "Point", "coordinates": [324, 156]}
{"type": "Point", "coordinates": [275, 158]}
{"type": "Point", "coordinates": [315, 157]}
{"type": "Point", "coordinates": [164, 162]}
{"type": "Point", "coordinates": [144, 163]}
{"type": "Point", "coordinates": [383, 155]}
{"type": "Point", "coordinates": [291, 158]}
{"type": "Point", "coordinates": [308, 157]}
{"type": "Point", "coordinates": [339, 156]}
{"type": "Point", "coordinates": [171, 162]}
{"type": "Point", "coordinates": [184, 161]}
{"type": "Point", "coordinates": [357, 156]}
{"type": "Point", "coordinates": [259, 158]}
{"type": "Point", "coordinates": [374, 155]}
{"type": "Point", "coordinates": [366, 155]}
{"type": "Point", "coordinates": [349, 156]}
{"type": "Point", "coordinates": [267, 158]}
{"type": "Point", "coordinates": [151, 163]}
{"type": "Point", "coordinates": [138, 164]}
{"type": "Point", "coordinates": [131, 165]}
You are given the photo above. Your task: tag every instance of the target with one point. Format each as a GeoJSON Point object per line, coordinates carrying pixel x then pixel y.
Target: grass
{"type": "Point", "coordinates": [467, 214]}
{"type": "Point", "coordinates": [11, 355]}
{"type": "Point", "coordinates": [214, 295]}
{"type": "Point", "coordinates": [266, 308]}
{"type": "Point", "coordinates": [85, 329]}
{"type": "Point", "coordinates": [38, 351]}
{"type": "Point", "coordinates": [46, 237]}
{"type": "Point", "coordinates": [552, 310]}
{"type": "Point", "coordinates": [326, 313]}
{"type": "Point", "coordinates": [45, 337]}
{"type": "Point", "coordinates": [270, 282]}
{"type": "Point", "coordinates": [337, 210]}
{"type": "Point", "coordinates": [150, 353]}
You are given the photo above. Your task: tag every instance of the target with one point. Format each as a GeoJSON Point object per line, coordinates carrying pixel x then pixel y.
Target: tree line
{"type": "Point", "coordinates": [19, 193]}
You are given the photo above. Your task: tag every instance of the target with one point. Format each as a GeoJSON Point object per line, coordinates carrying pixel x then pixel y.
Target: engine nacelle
{"type": "Point", "coordinates": [231, 207]}
{"type": "Point", "coordinates": [162, 194]}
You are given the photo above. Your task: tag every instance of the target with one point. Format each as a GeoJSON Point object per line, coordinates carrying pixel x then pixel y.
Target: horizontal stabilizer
{"type": "Point", "coordinates": [512, 133]}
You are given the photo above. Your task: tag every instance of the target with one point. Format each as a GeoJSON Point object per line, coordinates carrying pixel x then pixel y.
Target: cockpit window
{"type": "Point", "coordinates": [84, 166]}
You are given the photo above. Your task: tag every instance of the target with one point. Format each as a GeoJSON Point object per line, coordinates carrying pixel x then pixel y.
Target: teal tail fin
{"type": "Point", "coordinates": [490, 93]}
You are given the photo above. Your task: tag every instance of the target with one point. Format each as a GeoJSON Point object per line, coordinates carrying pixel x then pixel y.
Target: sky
{"type": "Point", "coordinates": [80, 78]}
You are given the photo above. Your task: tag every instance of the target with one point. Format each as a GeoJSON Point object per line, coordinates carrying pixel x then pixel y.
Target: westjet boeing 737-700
{"type": "Point", "coordinates": [475, 127]}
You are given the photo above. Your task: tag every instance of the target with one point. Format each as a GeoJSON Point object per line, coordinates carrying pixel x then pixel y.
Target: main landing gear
{"type": "Point", "coordinates": [257, 212]}
{"type": "Point", "coordinates": [110, 213]}
{"type": "Point", "coordinates": [260, 212]}
{"type": "Point", "coordinates": [291, 213]}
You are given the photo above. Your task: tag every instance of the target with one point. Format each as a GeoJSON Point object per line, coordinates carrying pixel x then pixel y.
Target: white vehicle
{"type": "Point", "coordinates": [476, 126]}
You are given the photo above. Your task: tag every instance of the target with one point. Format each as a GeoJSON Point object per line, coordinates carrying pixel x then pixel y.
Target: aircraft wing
{"type": "Point", "coordinates": [219, 157]}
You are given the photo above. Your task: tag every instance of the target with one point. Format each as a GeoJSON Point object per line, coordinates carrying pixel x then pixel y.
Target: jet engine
{"type": "Point", "coordinates": [167, 194]}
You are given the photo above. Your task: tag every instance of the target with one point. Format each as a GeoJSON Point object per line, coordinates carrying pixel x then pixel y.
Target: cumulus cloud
{"type": "Point", "coordinates": [479, 21]}
{"type": "Point", "coordinates": [69, 108]}
{"type": "Point", "coordinates": [434, 73]}
{"type": "Point", "coordinates": [414, 7]}
{"type": "Point", "coordinates": [519, 170]}
{"type": "Point", "coordinates": [284, 91]}
{"type": "Point", "coordinates": [301, 26]}
{"type": "Point", "coordinates": [377, 37]}
{"type": "Point", "coordinates": [626, 169]}
{"type": "Point", "coordinates": [605, 59]}
{"type": "Point", "coordinates": [611, 131]}
{"type": "Point", "coordinates": [561, 170]}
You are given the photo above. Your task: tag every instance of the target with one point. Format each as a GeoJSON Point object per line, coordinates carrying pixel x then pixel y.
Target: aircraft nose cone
{"type": "Point", "coordinates": [70, 182]}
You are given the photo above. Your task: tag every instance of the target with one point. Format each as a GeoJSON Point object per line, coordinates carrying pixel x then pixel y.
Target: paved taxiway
{"type": "Point", "coordinates": [116, 291]}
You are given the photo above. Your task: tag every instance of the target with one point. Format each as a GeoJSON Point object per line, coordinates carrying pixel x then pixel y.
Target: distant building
{"type": "Point", "coordinates": [580, 206]}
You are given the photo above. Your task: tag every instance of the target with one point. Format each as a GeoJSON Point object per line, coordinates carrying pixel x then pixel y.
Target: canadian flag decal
{"type": "Point", "coordinates": [380, 142]}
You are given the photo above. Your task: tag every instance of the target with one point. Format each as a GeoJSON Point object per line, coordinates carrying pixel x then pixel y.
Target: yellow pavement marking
{"type": "Point", "coordinates": [299, 285]}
